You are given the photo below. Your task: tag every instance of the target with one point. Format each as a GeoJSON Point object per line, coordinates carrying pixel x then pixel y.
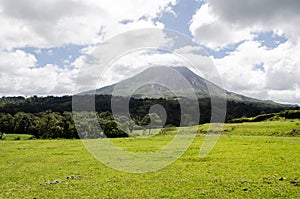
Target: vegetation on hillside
{"type": "Point", "coordinates": [286, 128]}
{"type": "Point", "coordinates": [140, 107]}
{"type": "Point", "coordinates": [288, 114]}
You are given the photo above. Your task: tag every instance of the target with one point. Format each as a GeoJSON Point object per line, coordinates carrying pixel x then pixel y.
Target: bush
{"type": "Point", "coordinates": [290, 114]}
{"type": "Point", "coordinates": [167, 130]}
{"type": "Point", "coordinates": [112, 130]}
{"type": "Point", "coordinates": [275, 118]}
{"type": "Point", "coordinates": [240, 120]}
{"type": "Point", "coordinates": [263, 117]}
{"type": "Point", "coordinates": [201, 131]}
{"type": "Point", "coordinates": [294, 132]}
{"type": "Point", "coordinates": [18, 138]}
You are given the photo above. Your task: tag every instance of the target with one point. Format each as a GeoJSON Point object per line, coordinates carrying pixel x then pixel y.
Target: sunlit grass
{"type": "Point", "coordinates": [237, 167]}
{"type": "Point", "coordinates": [266, 128]}
{"type": "Point", "coordinates": [17, 137]}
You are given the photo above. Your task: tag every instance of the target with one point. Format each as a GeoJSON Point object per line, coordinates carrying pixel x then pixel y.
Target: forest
{"type": "Point", "coordinates": [51, 117]}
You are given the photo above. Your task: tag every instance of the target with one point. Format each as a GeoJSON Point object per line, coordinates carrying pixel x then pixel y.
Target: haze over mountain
{"type": "Point", "coordinates": [160, 81]}
{"type": "Point", "coordinates": [168, 82]}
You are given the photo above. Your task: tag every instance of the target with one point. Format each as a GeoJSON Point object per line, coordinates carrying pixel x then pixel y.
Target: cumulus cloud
{"type": "Point", "coordinates": [49, 23]}
{"type": "Point", "coordinates": [219, 23]}
{"type": "Point", "coordinates": [278, 72]}
{"type": "Point", "coordinates": [20, 76]}
{"type": "Point", "coordinates": [209, 29]}
{"type": "Point", "coordinates": [55, 23]}
{"type": "Point", "coordinates": [253, 13]}
{"type": "Point", "coordinates": [252, 68]}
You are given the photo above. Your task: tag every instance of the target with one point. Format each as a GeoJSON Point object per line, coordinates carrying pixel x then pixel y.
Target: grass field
{"type": "Point", "coordinates": [239, 166]}
{"type": "Point", "coordinates": [265, 128]}
{"type": "Point", "coordinates": [18, 137]}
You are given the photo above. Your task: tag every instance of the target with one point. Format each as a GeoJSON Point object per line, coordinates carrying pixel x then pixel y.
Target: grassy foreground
{"type": "Point", "coordinates": [238, 167]}
{"type": "Point", "coordinates": [282, 127]}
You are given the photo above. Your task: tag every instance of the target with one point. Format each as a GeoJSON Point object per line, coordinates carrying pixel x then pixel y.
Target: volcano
{"type": "Point", "coordinates": [170, 82]}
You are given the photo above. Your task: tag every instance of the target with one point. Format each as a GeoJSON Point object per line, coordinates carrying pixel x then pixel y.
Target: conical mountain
{"type": "Point", "coordinates": [169, 82]}
{"type": "Point", "coordinates": [165, 82]}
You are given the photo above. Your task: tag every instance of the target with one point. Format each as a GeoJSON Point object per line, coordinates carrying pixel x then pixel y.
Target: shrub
{"type": "Point", "coordinates": [168, 129]}
{"type": "Point", "coordinates": [290, 114]}
{"type": "Point", "coordinates": [18, 138]}
{"type": "Point", "coordinates": [294, 132]}
{"type": "Point", "coordinates": [112, 130]}
{"type": "Point", "coordinates": [275, 118]}
{"type": "Point", "coordinates": [263, 117]}
{"type": "Point", "coordinates": [201, 131]}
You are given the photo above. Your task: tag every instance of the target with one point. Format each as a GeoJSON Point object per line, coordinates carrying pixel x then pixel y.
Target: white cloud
{"type": "Point", "coordinates": [209, 29]}
{"type": "Point", "coordinates": [284, 71]}
{"type": "Point", "coordinates": [286, 96]}
{"type": "Point", "coordinates": [237, 68]}
{"type": "Point", "coordinates": [135, 62]}
{"type": "Point", "coordinates": [10, 61]}
{"type": "Point", "coordinates": [54, 23]}
{"type": "Point", "coordinates": [127, 49]}
{"type": "Point", "coordinates": [20, 76]}
{"type": "Point", "coordinates": [219, 23]}
{"type": "Point", "coordinates": [260, 14]}
{"type": "Point", "coordinates": [49, 23]}
{"type": "Point", "coordinates": [281, 66]}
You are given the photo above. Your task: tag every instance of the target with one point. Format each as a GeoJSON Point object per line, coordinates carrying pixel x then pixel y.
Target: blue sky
{"type": "Point", "coordinates": [60, 56]}
{"type": "Point", "coordinates": [181, 16]}
{"type": "Point", "coordinates": [179, 20]}
{"type": "Point", "coordinates": [41, 54]}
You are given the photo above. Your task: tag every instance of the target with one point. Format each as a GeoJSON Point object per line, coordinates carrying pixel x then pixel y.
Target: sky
{"type": "Point", "coordinates": [254, 44]}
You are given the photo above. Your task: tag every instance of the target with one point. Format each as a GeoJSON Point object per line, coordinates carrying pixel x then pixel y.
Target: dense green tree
{"type": "Point", "coordinates": [87, 125]}
{"type": "Point", "coordinates": [125, 123]}
{"type": "Point", "coordinates": [69, 126]}
{"type": "Point", "coordinates": [110, 127]}
{"type": "Point", "coordinates": [150, 121]}
{"type": "Point", "coordinates": [23, 122]}
{"type": "Point", "coordinates": [6, 123]}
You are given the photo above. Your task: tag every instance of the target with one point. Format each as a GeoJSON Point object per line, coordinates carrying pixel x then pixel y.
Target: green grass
{"type": "Point", "coordinates": [17, 137]}
{"type": "Point", "coordinates": [145, 132]}
{"type": "Point", "coordinates": [237, 167]}
{"type": "Point", "coordinates": [265, 128]}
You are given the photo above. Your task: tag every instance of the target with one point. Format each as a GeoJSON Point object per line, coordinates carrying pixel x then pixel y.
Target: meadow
{"type": "Point", "coordinates": [250, 160]}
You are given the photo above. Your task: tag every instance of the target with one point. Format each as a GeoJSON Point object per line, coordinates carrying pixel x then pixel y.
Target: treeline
{"type": "Point", "coordinates": [239, 109]}
{"type": "Point", "coordinates": [140, 107]}
{"type": "Point", "coordinates": [52, 125]}
{"type": "Point", "coordinates": [288, 114]}
{"type": "Point", "coordinates": [44, 125]}
{"type": "Point", "coordinates": [51, 117]}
